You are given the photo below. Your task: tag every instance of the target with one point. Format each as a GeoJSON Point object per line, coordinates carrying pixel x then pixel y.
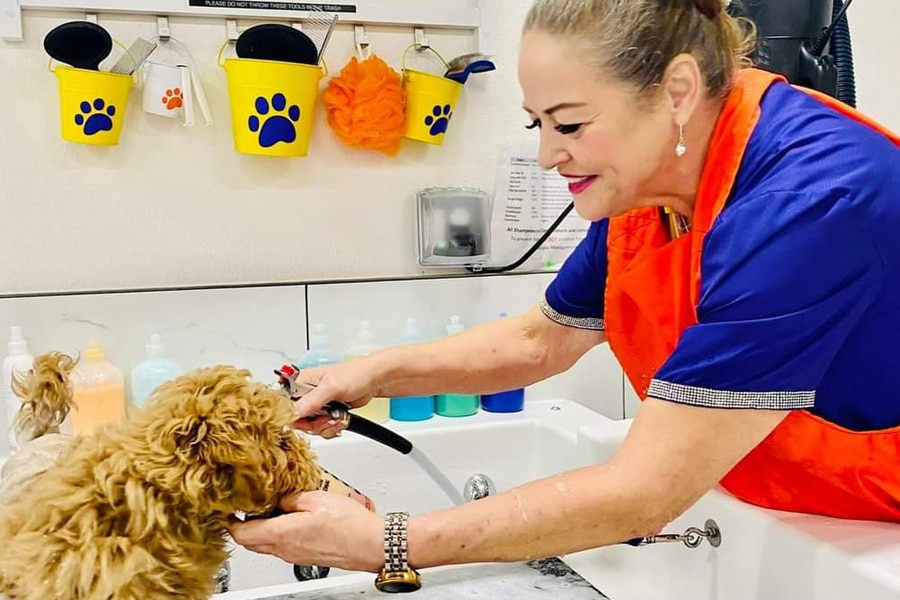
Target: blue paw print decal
{"type": "Point", "coordinates": [439, 119]}
{"type": "Point", "coordinates": [274, 128]}
{"type": "Point", "coordinates": [95, 117]}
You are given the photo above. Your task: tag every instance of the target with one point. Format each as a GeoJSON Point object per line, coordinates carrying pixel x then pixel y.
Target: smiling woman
{"type": "Point", "coordinates": [618, 105]}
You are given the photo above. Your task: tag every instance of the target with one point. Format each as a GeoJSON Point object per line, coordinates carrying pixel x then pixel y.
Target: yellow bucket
{"type": "Point", "coordinates": [272, 105]}
{"type": "Point", "coordinates": [92, 105]}
{"type": "Point", "coordinates": [430, 101]}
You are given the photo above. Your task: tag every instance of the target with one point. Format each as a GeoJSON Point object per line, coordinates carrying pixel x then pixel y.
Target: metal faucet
{"type": "Point", "coordinates": [478, 486]}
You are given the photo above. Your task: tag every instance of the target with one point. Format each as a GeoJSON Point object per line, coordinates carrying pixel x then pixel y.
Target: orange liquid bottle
{"type": "Point", "coordinates": [99, 390]}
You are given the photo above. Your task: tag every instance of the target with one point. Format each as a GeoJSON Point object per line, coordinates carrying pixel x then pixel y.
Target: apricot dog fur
{"type": "Point", "coordinates": [138, 510]}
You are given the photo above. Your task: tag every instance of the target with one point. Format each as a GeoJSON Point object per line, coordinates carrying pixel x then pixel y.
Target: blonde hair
{"type": "Point", "coordinates": [634, 40]}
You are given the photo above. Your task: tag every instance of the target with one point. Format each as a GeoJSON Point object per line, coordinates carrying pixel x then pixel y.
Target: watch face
{"type": "Point", "coordinates": [398, 583]}
{"type": "Point", "coordinates": [399, 587]}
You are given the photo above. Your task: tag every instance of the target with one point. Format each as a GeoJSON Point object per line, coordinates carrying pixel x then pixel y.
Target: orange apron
{"type": "Point", "coordinates": [806, 464]}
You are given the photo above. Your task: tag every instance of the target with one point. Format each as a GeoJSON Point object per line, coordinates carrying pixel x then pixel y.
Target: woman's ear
{"type": "Point", "coordinates": [683, 87]}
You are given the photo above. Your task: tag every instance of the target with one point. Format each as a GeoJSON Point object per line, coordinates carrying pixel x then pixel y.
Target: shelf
{"type": "Point", "coordinates": [418, 15]}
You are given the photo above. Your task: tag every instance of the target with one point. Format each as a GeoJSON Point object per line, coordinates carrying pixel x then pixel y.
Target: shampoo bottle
{"type": "Point", "coordinates": [456, 405]}
{"type": "Point", "coordinates": [412, 408]}
{"type": "Point", "coordinates": [98, 390]}
{"type": "Point", "coordinates": [320, 352]}
{"type": "Point", "coordinates": [20, 361]}
{"type": "Point", "coordinates": [504, 402]}
{"type": "Point", "coordinates": [378, 409]}
{"type": "Point", "coordinates": [156, 368]}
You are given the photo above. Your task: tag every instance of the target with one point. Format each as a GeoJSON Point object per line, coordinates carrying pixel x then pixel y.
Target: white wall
{"type": "Point", "coordinates": [172, 207]}
{"type": "Point", "coordinates": [876, 48]}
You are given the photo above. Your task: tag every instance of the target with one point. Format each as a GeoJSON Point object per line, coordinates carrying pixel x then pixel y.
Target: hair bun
{"type": "Point", "coordinates": [710, 8]}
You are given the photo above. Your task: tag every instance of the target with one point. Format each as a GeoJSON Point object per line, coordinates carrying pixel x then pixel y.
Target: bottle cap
{"type": "Point", "coordinates": [319, 337]}
{"type": "Point", "coordinates": [156, 347]}
{"type": "Point", "coordinates": [17, 345]}
{"type": "Point", "coordinates": [411, 333]}
{"type": "Point", "coordinates": [94, 350]}
{"type": "Point", "coordinates": [455, 326]}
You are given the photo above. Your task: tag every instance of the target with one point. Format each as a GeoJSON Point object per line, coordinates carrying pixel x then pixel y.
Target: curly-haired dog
{"type": "Point", "coordinates": [139, 509]}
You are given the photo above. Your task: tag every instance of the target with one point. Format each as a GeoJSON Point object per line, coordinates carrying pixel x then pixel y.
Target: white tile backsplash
{"type": "Point", "coordinates": [387, 304]}
{"type": "Point", "coordinates": [259, 328]}
{"type": "Point", "coordinates": [253, 328]}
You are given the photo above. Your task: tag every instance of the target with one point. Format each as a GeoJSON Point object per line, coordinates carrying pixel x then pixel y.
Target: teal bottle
{"type": "Point", "coordinates": [456, 405]}
{"type": "Point", "coordinates": [412, 408]}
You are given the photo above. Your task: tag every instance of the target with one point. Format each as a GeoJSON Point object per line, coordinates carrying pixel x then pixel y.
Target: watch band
{"type": "Point", "coordinates": [395, 550]}
{"type": "Point", "coordinates": [396, 576]}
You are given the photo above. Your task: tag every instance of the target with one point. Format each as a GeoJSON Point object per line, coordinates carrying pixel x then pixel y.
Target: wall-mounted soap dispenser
{"type": "Point", "coordinates": [453, 227]}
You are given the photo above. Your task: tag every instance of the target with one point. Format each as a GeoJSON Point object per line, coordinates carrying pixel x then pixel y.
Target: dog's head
{"type": "Point", "coordinates": [224, 442]}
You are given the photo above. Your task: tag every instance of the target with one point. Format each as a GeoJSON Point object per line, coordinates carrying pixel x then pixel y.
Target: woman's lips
{"type": "Point", "coordinates": [579, 184]}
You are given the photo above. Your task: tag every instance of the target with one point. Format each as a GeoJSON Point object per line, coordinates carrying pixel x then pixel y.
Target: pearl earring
{"type": "Point", "coordinates": [680, 147]}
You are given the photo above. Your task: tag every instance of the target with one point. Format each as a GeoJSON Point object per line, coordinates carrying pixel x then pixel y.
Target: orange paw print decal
{"type": "Point", "coordinates": [173, 99]}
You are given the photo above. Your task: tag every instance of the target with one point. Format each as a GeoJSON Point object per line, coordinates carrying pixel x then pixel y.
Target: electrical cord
{"type": "Point", "coordinates": [530, 251]}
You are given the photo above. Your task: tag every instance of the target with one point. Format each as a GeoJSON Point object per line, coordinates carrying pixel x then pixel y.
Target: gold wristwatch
{"type": "Point", "coordinates": [396, 577]}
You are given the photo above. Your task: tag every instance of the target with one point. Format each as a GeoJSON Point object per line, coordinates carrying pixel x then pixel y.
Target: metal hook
{"type": "Point", "coordinates": [421, 40]}
{"type": "Point", "coordinates": [162, 29]}
{"type": "Point", "coordinates": [231, 30]}
{"type": "Point", "coordinates": [363, 51]}
{"type": "Point", "coordinates": [692, 537]}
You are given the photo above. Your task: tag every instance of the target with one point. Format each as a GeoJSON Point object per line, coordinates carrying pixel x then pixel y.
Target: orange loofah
{"type": "Point", "coordinates": [366, 105]}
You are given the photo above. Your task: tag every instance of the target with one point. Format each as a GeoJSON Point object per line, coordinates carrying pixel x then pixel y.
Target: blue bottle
{"type": "Point", "coordinates": [156, 368]}
{"type": "Point", "coordinates": [504, 402]}
{"type": "Point", "coordinates": [320, 352]}
{"type": "Point", "coordinates": [412, 408]}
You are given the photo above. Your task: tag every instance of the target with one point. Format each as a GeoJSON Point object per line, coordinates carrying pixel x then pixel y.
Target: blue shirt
{"type": "Point", "coordinates": [800, 276]}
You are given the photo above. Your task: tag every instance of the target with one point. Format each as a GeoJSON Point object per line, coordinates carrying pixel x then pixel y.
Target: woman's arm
{"type": "Point", "coordinates": [673, 454]}
{"type": "Point", "coordinates": [501, 355]}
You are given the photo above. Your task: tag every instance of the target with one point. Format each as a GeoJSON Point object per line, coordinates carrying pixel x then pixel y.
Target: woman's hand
{"type": "Point", "coordinates": [320, 529]}
{"type": "Point", "coordinates": [351, 382]}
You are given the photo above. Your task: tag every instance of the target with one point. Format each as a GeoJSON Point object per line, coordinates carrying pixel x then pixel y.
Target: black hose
{"type": "Point", "coordinates": [530, 251]}
{"type": "Point", "coordinates": [376, 432]}
{"type": "Point", "coordinates": [842, 50]}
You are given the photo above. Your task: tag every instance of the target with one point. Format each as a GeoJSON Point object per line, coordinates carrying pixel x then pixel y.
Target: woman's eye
{"type": "Point", "coordinates": [533, 124]}
{"type": "Point", "coordinates": [567, 129]}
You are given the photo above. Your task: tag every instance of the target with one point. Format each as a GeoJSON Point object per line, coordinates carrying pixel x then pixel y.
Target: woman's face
{"type": "Point", "coordinates": [613, 152]}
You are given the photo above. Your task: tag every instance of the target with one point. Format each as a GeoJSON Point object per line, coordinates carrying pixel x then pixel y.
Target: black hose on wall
{"type": "Point", "coordinates": [842, 50]}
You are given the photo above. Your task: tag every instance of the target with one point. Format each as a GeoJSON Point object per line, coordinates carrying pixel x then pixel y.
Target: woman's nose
{"type": "Point", "coordinates": [551, 153]}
